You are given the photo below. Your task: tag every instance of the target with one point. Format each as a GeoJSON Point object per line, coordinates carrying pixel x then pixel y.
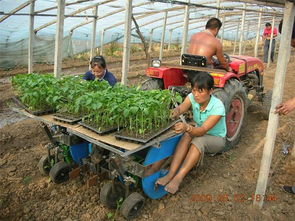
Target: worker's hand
{"type": "Point", "coordinates": [285, 107]}
{"type": "Point", "coordinates": [180, 127]}
{"type": "Point", "coordinates": [175, 113]}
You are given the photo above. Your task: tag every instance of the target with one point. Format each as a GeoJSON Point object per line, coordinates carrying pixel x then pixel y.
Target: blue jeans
{"type": "Point", "coordinates": [266, 48]}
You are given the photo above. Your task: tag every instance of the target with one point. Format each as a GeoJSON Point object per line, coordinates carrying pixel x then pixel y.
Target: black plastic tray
{"type": "Point", "coordinates": [102, 132]}
{"type": "Point", "coordinates": [36, 112]}
{"type": "Point", "coordinates": [65, 119]}
{"type": "Point", "coordinates": [141, 140]}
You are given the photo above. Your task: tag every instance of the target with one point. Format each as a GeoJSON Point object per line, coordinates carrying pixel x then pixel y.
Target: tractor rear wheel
{"type": "Point", "coordinates": [266, 104]}
{"type": "Point", "coordinates": [152, 84]}
{"type": "Point", "coordinates": [234, 99]}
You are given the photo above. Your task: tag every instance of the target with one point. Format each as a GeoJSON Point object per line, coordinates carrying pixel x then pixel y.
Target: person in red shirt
{"type": "Point", "coordinates": [266, 35]}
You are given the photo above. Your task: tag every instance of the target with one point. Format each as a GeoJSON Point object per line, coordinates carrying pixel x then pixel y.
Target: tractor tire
{"type": "Point", "coordinates": [234, 98]}
{"type": "Point", "coordinates": [266, 104]}
{"type": "Point", "coordinates": [152, 84]}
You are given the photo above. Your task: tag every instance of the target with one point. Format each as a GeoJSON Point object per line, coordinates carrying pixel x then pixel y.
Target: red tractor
{"type": "Point", "coordinates": [236, 89]}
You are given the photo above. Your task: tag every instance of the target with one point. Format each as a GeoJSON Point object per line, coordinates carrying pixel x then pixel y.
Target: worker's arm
{"type": "Point", "coordinates": [182, 108]}
{"type": "Point", "coordinates": [219, 54]}
{"type": "Point", "coordinates": [285, 107]}
{"type": "Point", "coordinates": [197, 131]}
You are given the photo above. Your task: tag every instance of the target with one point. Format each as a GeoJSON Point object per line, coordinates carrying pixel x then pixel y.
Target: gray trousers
{"type": "Point", "coordinates": [266, 48]}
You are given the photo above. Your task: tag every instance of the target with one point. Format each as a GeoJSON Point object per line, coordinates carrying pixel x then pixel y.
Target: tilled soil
{"type": "Point", "coordinates": [222, 189]}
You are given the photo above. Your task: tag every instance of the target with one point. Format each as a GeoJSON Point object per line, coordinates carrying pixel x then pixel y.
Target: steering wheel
{"type": "Point", "coordinates": [216, 62]}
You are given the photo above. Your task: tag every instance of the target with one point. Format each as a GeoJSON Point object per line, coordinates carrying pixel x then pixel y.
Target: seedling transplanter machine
{"type": "Point", "coordinates": [75, 150]}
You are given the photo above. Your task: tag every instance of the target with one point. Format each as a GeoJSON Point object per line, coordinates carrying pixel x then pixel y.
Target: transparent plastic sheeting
{"type": "Point", "coordinates": [14, 30]}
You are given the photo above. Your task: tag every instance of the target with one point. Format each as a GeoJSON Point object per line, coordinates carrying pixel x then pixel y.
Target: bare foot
{"type": "Point", "coordinates": [164, 180]}
{"type": "Point", "coordinates": [173, 185]}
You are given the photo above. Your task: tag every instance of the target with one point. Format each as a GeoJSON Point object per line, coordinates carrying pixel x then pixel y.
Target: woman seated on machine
{"type": "Point", "coordinates": [208, 136]}
{"type": "Point", "coordinates": [99, 71]}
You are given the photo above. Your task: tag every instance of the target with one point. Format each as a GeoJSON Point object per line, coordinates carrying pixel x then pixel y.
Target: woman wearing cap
{"type": "Point", "coordinates": [99, 71]}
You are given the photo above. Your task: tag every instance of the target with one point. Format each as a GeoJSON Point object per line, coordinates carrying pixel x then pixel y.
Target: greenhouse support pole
{"type": "Point", "coordinates": [127, 37]}
{"type": "Point", "coordinates": [185, 29]}
{"type": "Point", "coordinates": [31, 37]}
{"type": "Point", "coordinates": [242, 30]}
{"type": "Point", "coordinates": [247, 33]}
{"type": "Point", "coordinates": [151, 40]}
{"type": "Point", "coordinates": [163, 36]}
{"type": "Point", "coordinates": [236, 37]}
{"type": "Point", "coordinates": [223, 27]}
{"type": "Point", "coordinates": [278, 88]}
{"type": "Point", "coordinates": [271, 41]}
{"type": "Point", "coordinates": [217, 10]}
{"type": "Point", "coordinates": [170, 39]}
{"type": "Point", "coordinates": [59, 37]}
{"type": "Point", "coordinates": [93, 33]}
{"type": "Point", "coordinates": [101, 41]}
{"type": "Point", "coordinates": [257, 35]}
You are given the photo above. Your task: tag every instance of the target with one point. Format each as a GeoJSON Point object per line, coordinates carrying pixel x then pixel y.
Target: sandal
{"type": "Point", "coordinates": [289, 189]}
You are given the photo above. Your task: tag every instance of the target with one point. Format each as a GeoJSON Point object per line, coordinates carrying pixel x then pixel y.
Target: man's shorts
{"type": "Point", "coordinates": [208, 144]}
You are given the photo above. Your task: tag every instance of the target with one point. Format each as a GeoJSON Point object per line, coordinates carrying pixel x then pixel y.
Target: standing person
{"type": "Point", "coordinates": [206, 44]}
{"type": "Point", "coordinates": [99, 71]}
{"type": "Point", "coordinates": [266, 35]}
{"type": "Point", "coordinates": [208, 136]}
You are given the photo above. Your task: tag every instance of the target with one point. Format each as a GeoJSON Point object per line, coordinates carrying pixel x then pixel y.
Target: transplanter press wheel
{"type": "Point", "coordinates": [44, 165]}
{"type": "Point", "coordinates": [111, 193]}
{"type": "Point", "coordinates": [132, 205]}
{"type": "Point", "coordinates": [59, 173]}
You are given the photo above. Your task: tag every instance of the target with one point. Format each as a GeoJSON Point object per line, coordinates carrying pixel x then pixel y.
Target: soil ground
{"type": "Point", "coordinates": [27, 195]}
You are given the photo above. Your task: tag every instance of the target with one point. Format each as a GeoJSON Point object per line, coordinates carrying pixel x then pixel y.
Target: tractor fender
{"type": "Point", "coordinates": [221, 79]}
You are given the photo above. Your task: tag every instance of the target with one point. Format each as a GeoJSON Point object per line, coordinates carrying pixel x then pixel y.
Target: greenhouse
{"type": "Point", "coordinates": [147, 110]}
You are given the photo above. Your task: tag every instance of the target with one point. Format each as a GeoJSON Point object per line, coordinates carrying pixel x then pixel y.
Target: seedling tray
{"type": "Point", "coordinates": [66, 118]}
{"type": "Point", "coordinates": [100, 132]}
{"type": "Point", "coordinates": [35, 112]}
{"type": "Point", "coordinates": [121, 135]}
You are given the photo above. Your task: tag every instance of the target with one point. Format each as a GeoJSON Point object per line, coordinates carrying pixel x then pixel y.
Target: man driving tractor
{"type": "Point", "coordinates": [206, 44]}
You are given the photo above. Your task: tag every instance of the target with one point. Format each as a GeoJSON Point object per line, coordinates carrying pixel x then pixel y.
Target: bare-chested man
{"type": "Point", "coordinates": [206, 44]}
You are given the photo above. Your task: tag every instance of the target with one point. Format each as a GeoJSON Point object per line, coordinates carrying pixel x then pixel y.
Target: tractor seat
{"type": "Point", "coordinates": [193, 60]}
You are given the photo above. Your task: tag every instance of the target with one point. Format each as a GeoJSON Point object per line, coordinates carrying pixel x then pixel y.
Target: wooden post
{"type": "Point", "coordinates": [170, 39]}
{"type": "Point", "coordinates": [151, 41]}
{"type": "Point", "coordinates": [271, 41]}
{"type": "Point", "coordinates": [242, 30]}
{"type": "Point", "coordinates": [59, 38]}
{"type": "Point", "coordinates": [93, 33]}
{"type": "Point", "coordinates": [185, 29]}
{"type": "Point", "coordinates": [257, 35]}
{"type": "Point", "coordinates": [101, 41]}
{"type": "Point", "coordinates": [236, 37]}
{"type": "Point", "coordinates": [163, 36]}
{"type": "Point", "coordinates": [31, 38]}
{"type": "Point", "coordinates": [283, 57]}
{"type": "Point", "coordinates": [127, 37]}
